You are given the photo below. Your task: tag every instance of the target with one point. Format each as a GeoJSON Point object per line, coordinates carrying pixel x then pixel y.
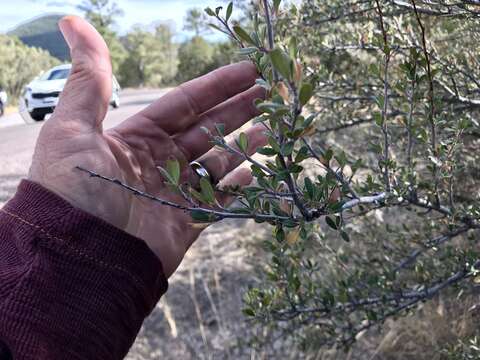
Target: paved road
{"type": "Point", "coordinates": [17, 138]}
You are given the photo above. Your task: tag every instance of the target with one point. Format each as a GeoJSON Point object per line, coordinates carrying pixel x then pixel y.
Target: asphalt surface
{"type": "Point", "coordinates": [18, 137]}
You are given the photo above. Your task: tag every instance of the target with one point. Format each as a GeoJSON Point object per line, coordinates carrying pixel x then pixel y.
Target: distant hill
{"type": "Point", "coordinates": [43, 32]}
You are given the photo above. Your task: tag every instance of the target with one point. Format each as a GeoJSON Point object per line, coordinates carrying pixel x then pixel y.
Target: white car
{"type": "Point", "coordinates": [3, 101]}
{"type": "Point", "coordinates": [41, 95]}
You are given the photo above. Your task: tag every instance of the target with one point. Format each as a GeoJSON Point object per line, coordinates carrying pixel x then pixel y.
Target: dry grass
{"type": "Point", "coordinates": [200, 317]}
{"type": "Point", "coordinates": [426, 332]}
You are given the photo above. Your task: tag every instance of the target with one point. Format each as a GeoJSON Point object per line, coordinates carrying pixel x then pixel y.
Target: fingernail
{"type": "Point", "coordinates": [65, 25]}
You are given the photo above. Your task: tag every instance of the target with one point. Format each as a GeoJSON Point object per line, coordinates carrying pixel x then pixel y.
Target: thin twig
{"type": "Point", "coordinates": [386, 175]}
{"type": "Point", "coordinates": [229, 31]}
{"type": "Point", "coordinates": [431, 113]}
{"type": "Point", "coordinates": [271, 34]}
{"type": "Point", "coordinates": [219, 215]}
{"type": "Point", "coordinates": [430, 244]}
{"type": "Point", "coordinates": [410, 124]}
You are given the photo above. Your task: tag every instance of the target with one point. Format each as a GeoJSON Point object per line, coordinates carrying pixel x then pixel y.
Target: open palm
{"type": "Point", "coordinates": [132, 151]}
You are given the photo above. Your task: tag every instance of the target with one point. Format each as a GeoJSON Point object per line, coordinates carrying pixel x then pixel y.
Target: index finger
{"type": "Point", "coordinates": [181, 107]}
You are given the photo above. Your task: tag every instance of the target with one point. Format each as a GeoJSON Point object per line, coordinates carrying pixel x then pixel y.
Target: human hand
{"type": "Point", "coordinates": [133, 150]}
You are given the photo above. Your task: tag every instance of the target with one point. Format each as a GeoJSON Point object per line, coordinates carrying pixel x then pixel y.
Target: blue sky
{"type": "Point", "coordinates": [135, 11]}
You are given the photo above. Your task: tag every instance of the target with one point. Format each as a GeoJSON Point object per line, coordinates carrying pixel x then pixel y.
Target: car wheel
{"type": "Point", "coordinates": [37, 116]}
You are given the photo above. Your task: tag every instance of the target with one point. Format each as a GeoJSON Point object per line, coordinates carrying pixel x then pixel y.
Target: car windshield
{"type": "Point", "coordinates": [56, 74]}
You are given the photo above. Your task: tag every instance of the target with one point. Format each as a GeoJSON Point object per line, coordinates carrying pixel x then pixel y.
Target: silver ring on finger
{"type": "Point", "coordinates": [201, 171]}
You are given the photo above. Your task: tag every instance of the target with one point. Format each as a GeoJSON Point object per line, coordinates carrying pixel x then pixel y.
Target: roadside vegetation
{"type": "Point", "coordinates": [20, 63]}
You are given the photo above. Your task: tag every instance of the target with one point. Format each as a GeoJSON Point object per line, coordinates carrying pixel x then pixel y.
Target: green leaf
{"type": "Point", "coordinates": [330, 222]}
{"type": "Point", "coordinates": [267, 151]}
{"type": "Point", "coordinates": [280, 234]}
{"type": "Point", "coordinates": [242, 34]}
{"type": "Point", "coordinates": [247, 51]}
{"type": "Point", "coordinates": [209, 11]}
{"type": "Point", "coordinates": [173, 168]}
{"type": "Point", "coordinates": [293, 47]}
{"type": "Point", "coordinates": [287, 148]}
{"type": "Point", "coordinates": [270, 107]}
{"type": "Point", "coordinates": [276, 4]}
{"type": "Point", "coordinates": [242, 142]}
{"type": "Point", "coordinates": [464, 124]}
{"type": "Point", "coordinates": [345, 236]}
{"type": "Point", "coordinates": [342, 295]}
{"type": "Point", "coordinates": [310, 188]}
{"type": "Point", "coordinates": [378, 118]}
{"type": "Point", "coordinates": [341, 158]}
{"type": "Point", "coordinates": [274, 144]}
{"type": "Point", "coordinates": [374, 70]}
{"type": "Point", "coordinates": [302, 154]}
{"type": "Point", "coordinates": [328, 298]}
{"type": "Point", "coordinates": [257, 172]}
{"type": "Point", "coordinates": [328, 155]}
{"type": "Point", "coordinates": [281, 62]}
{"type": "Point", "coordinates": [196, 195]}
{"type": "Point", "coordinates": [220, 129]}
{"type": "Point", "coordinates": [229, 10]}
{"type": "Point", "coordinates": [306, 93]}
{"type": "Point", "coordinates": [166, 175]}
{"type": "Point", "coordinates": [371, 315]}
{"type": "Point", "coordinates": [338, 221]}
{"type": "Point", "coordinates": [380, 100]}
{"type": "Point", "coordinates": [207, 191]}
{"type": "Point", "coordinates": [216, 27]}
{"type": "Point", "coordinates": [295, 169]}
{"type": "Point", "coordinates": [376, 148]}
{"type": "Point", "coordinates": [386, 49]}
{"type": "Point", "coordinates": [335, 208]}
{"type": "Point", "coordinates": [248, 312]}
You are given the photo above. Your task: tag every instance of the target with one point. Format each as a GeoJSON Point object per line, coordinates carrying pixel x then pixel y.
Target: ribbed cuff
{"type": "Point", "coordinates": [87, 236]}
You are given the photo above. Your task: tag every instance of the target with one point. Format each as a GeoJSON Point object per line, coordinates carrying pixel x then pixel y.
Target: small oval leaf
{"type": "Point", "coordinates": [242, 142]}
{"type": "Point", "coordinates": [281, 62]}
{"type": "Point", "coordinates": [173, 168]}
{"type": "Point", "coordinates": [242, 34]}
{"type": "Point", "coordinates": [207, 191]}
{"type": "Point", "coordinates": [306, 93]}
{"type": "Point", "coordinates": [229, 10]}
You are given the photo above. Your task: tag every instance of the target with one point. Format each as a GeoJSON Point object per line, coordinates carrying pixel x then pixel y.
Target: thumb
{"type": "Point", "coordinates": [87, 93]}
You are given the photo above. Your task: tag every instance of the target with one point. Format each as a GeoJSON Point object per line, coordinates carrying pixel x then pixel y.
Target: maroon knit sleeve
{"type": "Point", "coordinates": [71, 285]}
